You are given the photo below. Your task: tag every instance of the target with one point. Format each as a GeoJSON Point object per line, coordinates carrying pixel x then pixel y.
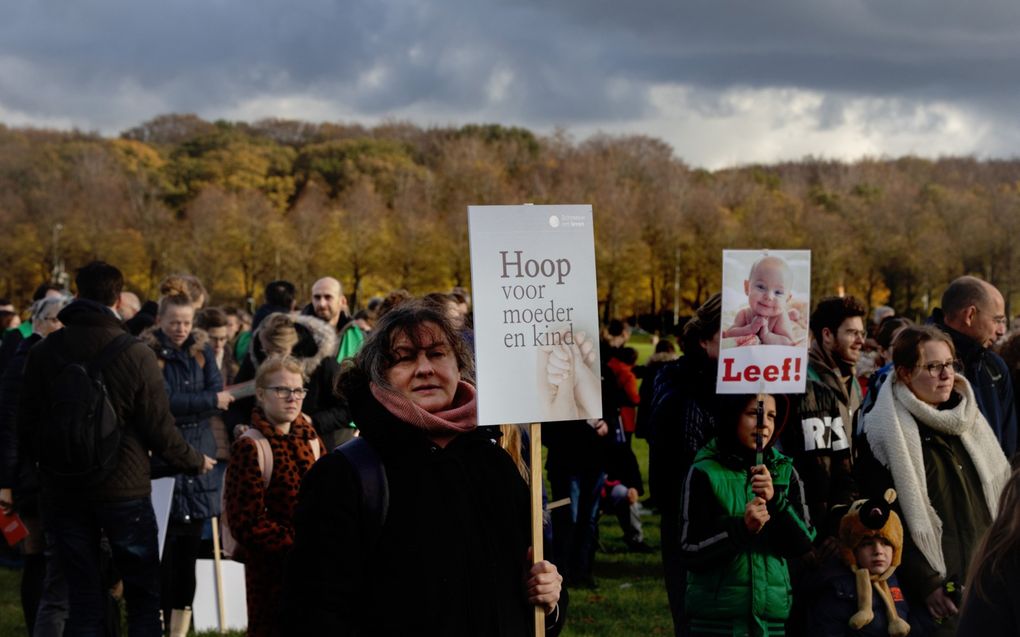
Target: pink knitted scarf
{"type": "Point", "coordinates": [442, 426]}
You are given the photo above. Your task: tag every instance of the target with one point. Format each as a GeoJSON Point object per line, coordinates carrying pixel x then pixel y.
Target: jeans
{"type": "Point", "coordinates": [52, 615]}
{"type": "Point", "coordinates": [130, 528]}
{"type": "Point", "coordinates": [574, 526]}
{"type": "Point", "coordinates": [626, 513]}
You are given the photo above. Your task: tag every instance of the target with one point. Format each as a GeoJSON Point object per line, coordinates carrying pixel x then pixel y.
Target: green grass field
{"type": "Point", "coordinates": [630, 599]}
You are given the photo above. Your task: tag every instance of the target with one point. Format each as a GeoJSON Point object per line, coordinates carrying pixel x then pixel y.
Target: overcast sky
{"type": "Point", "coordinates": [723, 82]}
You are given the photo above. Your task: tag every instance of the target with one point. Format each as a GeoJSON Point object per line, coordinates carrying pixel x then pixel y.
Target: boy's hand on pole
{"type": "Point", "coordinates": [756, 515]}
{"type": "Point", "coordinates": [761, 482]}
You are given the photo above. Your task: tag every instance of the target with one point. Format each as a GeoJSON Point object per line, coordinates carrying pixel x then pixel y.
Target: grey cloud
{"type": "Point", "coordinates": [111, 64]}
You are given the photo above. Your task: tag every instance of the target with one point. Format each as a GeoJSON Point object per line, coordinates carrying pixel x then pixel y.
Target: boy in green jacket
{"type": "Point", "coordinates": [740, 521]}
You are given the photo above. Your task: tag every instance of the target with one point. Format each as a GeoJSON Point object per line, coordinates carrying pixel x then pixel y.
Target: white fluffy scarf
{"type": "Point", "coordinates": [893, 436]}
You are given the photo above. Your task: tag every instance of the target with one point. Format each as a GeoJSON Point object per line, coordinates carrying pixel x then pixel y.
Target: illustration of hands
{"type": "Point", "coordinates": [587, 381]}
{"type": "Point", "coordinates": [567, 384]}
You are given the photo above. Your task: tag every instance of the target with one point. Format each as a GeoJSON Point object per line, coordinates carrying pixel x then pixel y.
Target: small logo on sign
{"type": "Point", "coordinates": [554, 221]}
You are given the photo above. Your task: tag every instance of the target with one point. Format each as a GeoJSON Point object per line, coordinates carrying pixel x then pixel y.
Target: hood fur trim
{"type": "Point", "coordinates": [311, 331]}
{"type": "Point", "coordinates": [198, 338]}
{"type": "Point", "coordinates": [662, 357]}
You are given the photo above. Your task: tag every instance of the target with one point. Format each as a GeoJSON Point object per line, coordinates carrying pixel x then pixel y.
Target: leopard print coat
{"type": "Point", "coordinates": [261, 519]}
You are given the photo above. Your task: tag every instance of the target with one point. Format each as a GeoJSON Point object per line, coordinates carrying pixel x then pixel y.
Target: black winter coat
{"type": "Point", "coordinates": [993, 387]}
{"type": "Point", "coordinates": [682, 421]}
{"type": "Point", "coordinates": [135, 385]}
{"type": "Point", "coordinates": [450, 557]}
{"type": "Point", "coordinates": [14, 473]}
{"type": "Point", "coordinates": [647, 374]}
{"type": "Point", "coordinates": [833, 601]}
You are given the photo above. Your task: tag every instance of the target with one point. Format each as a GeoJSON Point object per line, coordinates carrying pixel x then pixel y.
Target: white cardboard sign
{"type": "Point", "coordinates": [535, 304]}
{"type": "Point", "coordinates": [205, 610]}
{"type": "Point", "coordinates": [766, 302]}
{"type": "Point", "coordinates": [162, 499]}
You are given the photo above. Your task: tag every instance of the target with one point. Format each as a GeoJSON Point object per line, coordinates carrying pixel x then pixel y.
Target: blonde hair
{"type": "Point", "coordinates": [511, 443]}
{"type": "Point", "coordinates": [174, 300]}
{"type": "Point", "coordinates": [278, 364]}
{"type": "Point", "coordinates": [183, 284]}
{"type": "Point", "coordinates": [277, 333]}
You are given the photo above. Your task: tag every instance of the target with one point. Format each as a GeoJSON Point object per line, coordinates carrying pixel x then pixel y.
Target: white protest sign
{"type": "Point", "coordinates": [162, 498]}
{"type": "Point", "coordinates": [535, 313]}
{"type": "Point", "coordinates": [205, 610]}
{"type": "Point", "coordinates": [766, 302]}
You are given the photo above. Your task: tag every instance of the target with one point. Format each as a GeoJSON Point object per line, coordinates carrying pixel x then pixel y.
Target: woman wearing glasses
{"type": "Point", "coordinates": [313, 343]}
{"type": "Point", "coordinates": [261, 510]}
{"type": "Point", "coordinates": [927, 439]}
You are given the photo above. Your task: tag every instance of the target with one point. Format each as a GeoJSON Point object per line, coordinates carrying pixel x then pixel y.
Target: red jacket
{"type": "Point", "coordinates": [628, 384]}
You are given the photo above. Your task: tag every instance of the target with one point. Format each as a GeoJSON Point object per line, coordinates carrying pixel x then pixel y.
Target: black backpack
{"type": "Point", "coordinates": [375, 487]}
{"type": "Point", "coordinates": [80, 435]}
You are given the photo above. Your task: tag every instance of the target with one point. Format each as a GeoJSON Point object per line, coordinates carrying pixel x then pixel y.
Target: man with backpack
{"type": "Point", "coordinates": [92, 409]}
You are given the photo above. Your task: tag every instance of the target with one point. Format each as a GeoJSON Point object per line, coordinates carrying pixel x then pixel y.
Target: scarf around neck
{"type": "Point", "coordinates": [440, 427]}
{"type": "Point", "coordinates": [841, 373]}
{"type": "Point", "coordinates": [892, 431]}
{"type": "Point", "coordinates": [300, 428]}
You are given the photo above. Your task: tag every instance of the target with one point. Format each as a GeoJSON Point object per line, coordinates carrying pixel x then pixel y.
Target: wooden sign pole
{"type": "Point", "coordinates": [537, 514]}
{"type": "Point", "coordinates": [217, 565]}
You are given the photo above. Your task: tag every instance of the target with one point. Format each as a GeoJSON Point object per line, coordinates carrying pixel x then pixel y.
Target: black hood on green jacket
{"type": "Point", "coordinates": [729, 408]}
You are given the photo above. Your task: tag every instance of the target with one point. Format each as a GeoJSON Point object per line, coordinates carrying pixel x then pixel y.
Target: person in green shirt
{"type": "Point", "coordinates": [741, 519]}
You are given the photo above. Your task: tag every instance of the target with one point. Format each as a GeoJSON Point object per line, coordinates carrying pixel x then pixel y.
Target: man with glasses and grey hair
{"type": "Point", "coordinates": [973, 313]}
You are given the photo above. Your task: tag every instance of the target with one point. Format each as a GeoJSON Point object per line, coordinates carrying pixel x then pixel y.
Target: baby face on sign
{"type": "Point", "coordinates": [766, 319]}
{"type": "Point", "coordinates": [766, 287]}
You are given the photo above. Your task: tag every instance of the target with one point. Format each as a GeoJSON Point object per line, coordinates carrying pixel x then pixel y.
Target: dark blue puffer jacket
{"type": "Point", "coordinates": [993, 387]}
{"type": "Point", "coordinates": [192, 381]}
{"type": "Point", "coordinates": [831, 593]}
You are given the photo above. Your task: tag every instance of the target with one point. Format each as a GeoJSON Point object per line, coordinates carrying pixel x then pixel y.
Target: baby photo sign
{"type": "Point", "coordinates": [766, 301]}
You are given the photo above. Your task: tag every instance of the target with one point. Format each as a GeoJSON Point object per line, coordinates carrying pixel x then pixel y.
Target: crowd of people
{"type": "Point", "coordinates": [338, 456]}
{"type": "Point", "coordinates": [423, 511]}
{"type": "Point", "coordinates": [910, 426]}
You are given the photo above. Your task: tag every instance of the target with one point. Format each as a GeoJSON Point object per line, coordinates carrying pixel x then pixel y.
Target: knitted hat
{"type": "Point", "coordinates": [867, 519]}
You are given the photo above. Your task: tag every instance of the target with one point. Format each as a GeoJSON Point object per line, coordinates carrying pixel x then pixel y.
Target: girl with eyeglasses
{"type": "Point", "coordinates": [313, 343]}
{"type": "Point", "coordinates": [260, 507]}
{"type": "Point", "coordinates": [927, 439]}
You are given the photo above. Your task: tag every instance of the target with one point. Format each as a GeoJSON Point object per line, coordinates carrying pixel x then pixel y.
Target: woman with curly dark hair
{"type": "Point", "coordinates": [450, 556]}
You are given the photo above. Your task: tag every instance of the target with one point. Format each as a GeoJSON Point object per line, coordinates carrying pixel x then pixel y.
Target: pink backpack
{"type": "Point", "coordinates": [228, 544]}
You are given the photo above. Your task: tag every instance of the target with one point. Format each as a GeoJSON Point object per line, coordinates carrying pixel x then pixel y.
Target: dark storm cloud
{"type": "Point", "coordinates": [850, 45]}
{"type": "Point", "coordinates": [113, 64]}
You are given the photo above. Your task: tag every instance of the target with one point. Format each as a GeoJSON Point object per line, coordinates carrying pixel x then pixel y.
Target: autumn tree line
{"type": "Point", "coordinates": [239, 204]}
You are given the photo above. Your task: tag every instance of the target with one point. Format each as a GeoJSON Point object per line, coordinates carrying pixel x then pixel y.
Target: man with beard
{"type": "Point", "coordinates": [329, 303]}
{"type": "Point", "coordinates": [820, 439]}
